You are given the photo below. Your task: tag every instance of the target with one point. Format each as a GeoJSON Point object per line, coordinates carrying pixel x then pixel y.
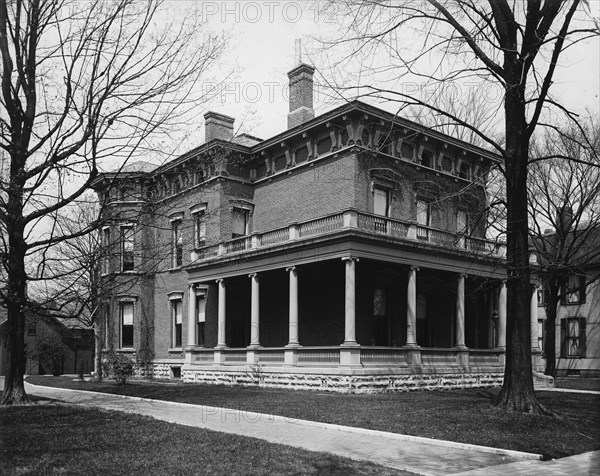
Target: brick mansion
{"type": "Point", "coordinates": [348, 253]}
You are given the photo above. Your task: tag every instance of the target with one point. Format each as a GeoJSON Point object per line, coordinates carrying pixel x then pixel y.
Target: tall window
{"type": "Point", "coordinates": [381, 201]}
{"type": "Point", "coordinates": [126, 310]}
{"type": "Point", "coordinates": [462, 222]}
{"type": "Point", "coordinates": [177, 311]}
{"type": "Point", "coordinates": [423, 213]}
{"type": "Point", "coordinates": [201, 320]}
{"type": "Point", "coordinates": [176, 243]}
{"type": "Point", "coordinates": [574, 290]}
{"type": "Point", "coordinates": [572, 333]}
{"type": "Point", "coordinates": [239, 222]}
{"type": "Point", "coordinates": [427, 159]}
{"type": "Point", "coordinates": [127, 263]}
{"type": "Point", "coordinates": [105, 250]}
{"type": "Point", "coordinates": [199, 228]}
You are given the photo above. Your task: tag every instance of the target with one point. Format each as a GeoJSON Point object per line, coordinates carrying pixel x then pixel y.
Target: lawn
{"type": "Point", "coordinates": [463, 415]}
{"type": "Point", "coordinates": [54, 438]}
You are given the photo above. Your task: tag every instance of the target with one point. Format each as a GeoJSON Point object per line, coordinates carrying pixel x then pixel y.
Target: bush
{"type": "Point", "coordinates": [122, 367]}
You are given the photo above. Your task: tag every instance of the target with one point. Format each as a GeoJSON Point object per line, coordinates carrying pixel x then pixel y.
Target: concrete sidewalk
{"type": "Point", "coordinates": [418, 455]}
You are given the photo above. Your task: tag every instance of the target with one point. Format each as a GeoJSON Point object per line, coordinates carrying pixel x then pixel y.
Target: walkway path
{"type": "Point", "coordinates": [419, 455]}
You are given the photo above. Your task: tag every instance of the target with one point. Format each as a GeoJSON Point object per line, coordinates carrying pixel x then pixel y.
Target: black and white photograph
{"type": "Point", "coordinates": [300, 237]}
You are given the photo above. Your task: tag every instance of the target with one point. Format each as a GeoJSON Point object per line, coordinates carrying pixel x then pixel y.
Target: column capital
{"type": "Point", "coordinates": [253, 275]}
{"type": "Point", "coordinates": [291, 268]}
{"type": "Point", "coordinates": [414, 268]}
{"type": "Point", "coordinates": [191, 286]}
{"type": "Point", "coordinates": [351, 258]}
{"type": "Point", "coordinates": [220, 280]}
{"type": "Point", "coordinates": [463, 275]}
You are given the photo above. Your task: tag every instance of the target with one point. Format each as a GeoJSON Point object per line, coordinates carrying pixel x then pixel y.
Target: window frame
{"type": "Point", "coordinates": [177, 320]}
{"type": "Point", "coordinates": [122, 325]}
{"type": "Point", "coordinates": [573, 329]}
{"type": "Point", "coordinates": [386, 195]}
{"type": "Point", "coordinates": [199, 219]}
{"type": "Point", "coordinates": [127, 265]}
{"type": "Point", "coordinates": [200, 317]}
{"type": "Point", "coordinates": [427, 204]}
{"type": "Point", "coordinates": [246, 216]}
{"type": "Point", "coordinates": [176, 243]}
{"type": "Point", "coordinates": [105, 245]}
{"type": "Point", "coordinates": [574, 297]}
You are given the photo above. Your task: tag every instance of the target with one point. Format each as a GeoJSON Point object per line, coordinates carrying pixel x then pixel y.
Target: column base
{"type": "Point", "coordinates": [413, 354]}
{"type": "Point", "coordinates": [252, 354]}
{"type": "Point", "coordinates": [219, 355]}
{"type": "Point", "coordinates": [350, 354]}
{"type": "Point", "coordinates": [189, 357]}
{"type": "Point", "coordinates": [290, 354]}
{"type": "Point", "coordinates": [462, 357]}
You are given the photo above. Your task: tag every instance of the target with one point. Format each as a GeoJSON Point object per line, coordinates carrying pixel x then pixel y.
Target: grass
{"type": "Point", "coordinates": [577, 383]}
{"type": "Point", "coordinates": [61, 439]}
{"type": "Point", "coordinates": [465, 416]}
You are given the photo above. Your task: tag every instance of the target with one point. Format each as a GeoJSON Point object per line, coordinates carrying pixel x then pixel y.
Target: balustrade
{"type": "Point", "coordinates": [364, 222]}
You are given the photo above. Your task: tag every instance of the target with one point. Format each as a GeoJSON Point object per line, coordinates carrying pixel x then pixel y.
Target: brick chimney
{"type": "Point", "coordinates": [301, 95]}
{"type": "Point", "coordinates": [217, 126]}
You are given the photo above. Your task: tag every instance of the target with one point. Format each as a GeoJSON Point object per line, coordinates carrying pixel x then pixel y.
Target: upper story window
{"type": "Point", "coordinates": [176, 243]}
{"type": "Point", "coordinates": [381, 201]}
{"type": "Point", "coordinates": [464, 170]}
{"type": "Point", "coordinates": [423, 213]}
{"type": "Point", "coordinates": [427, 159]}
{"type": "Point", "coordinates": [105, 266]}
{"type": "Point", "coordinates": [31, 327]}
{"type": "Point", "coordinates": [127, 248]}
{"type": "Point", "coordinates": [239, 222]}
{"type": "Point", "coordinates": [199, 217]}
{"type": "Point", "coordinates": [573, 291]}
{"type": "Point", "coordinates": [543, 293]}
{"type": "Point", "coordinates": [463, 222]}
{"type": "Point", "coordinates": [572, 337]}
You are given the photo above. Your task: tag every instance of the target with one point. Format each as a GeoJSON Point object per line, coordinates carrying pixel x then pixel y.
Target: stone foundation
{"type": "Point", "coordinates": [342, 383]}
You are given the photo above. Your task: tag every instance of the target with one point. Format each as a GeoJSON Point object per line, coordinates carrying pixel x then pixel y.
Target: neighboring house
{"type": "Point", "coordinates": [346, 253]}
{"type": "Point", "coordinates": [78, 351]}
{"type": "Point", "coordinates": [578, 318]}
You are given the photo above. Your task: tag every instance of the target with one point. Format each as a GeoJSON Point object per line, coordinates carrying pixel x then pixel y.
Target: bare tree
{"type": "Point", "coordinates": [564, 195]}
{"type": "Point", "coordinates": [83, 84]}
{"type": "Point", "coordinates": [513, 46]}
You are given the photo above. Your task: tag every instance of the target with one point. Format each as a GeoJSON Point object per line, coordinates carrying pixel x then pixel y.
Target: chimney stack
{"type": "Point", "coordinates": [218, 126]}
{"type": "Point", "coordinates": [301, 91]}
{"type": "Point", "coordinates": [301, 95]}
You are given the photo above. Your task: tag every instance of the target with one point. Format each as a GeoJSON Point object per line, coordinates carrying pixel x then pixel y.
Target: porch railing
{"type": "Point", "coordinates": [352, 220]}
{"type": "Point", "coordinates": [329, 356]}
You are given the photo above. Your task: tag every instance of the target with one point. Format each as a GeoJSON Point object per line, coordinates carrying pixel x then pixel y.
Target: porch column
{"type": "Point", "coordinates": [350, 312]}
{"type": "Point", "coordinates": [221, 323]}
{"type": "Point", "coordinates": [533, 309]}
{"type": "Point", "coordinates": [411, 307]}
{"type": "Point", "coordinates": [502, 316]}
{"type": "Point", "coordinates": [192, 315]}
{"type": "Point", "coordinates": [293, 309]}
{"type": "Point", "coordinates": [254, 311]}
{"type": "Point", "coordinates": [460, 312]}
{"type": "Point", "coordinates": [491, 298]}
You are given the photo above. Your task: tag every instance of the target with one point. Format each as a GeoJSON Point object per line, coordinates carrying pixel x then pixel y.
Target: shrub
{"type": "Point", "coordinates": [122, 367]}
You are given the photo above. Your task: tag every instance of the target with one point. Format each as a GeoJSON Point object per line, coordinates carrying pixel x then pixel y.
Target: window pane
{"type": "Point", "coordinates": [178, 312]}
{"type": "Point", "coordinates": [127, 312]}
{"type": "Point", "coordinates": [127, 248]}
{"type": "Point", "coordinates": [381, 202]}
{"type": "Point", "coordinates": [422, 213]}
{"type": "Point", "coordinates": [379, 302]}
{"type": "Point", "coordinates": [461, 222]}
{"type": "Point", "coordinates": [200, 228]}
{"type": "Point", "coordinates": [238, 222]}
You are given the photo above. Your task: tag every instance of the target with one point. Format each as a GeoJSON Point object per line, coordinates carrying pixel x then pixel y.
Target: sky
{"type": "Point", "coordinates": [263, 48]}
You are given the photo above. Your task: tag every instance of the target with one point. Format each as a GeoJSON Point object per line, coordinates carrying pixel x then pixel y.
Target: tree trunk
{"type": "Point", "coordinates": [98, 351]}
{"type": "Point", "coordinates": [517, 394]}
{"type": "Point", "coordinates": [14, 387]}
{"type": "Point", "coordinates": [550, 343]}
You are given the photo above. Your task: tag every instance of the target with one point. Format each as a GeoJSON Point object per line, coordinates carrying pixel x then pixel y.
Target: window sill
{"type": "Point", "coordinates": [176, 350]}
{"type": "Point", "coordinates": [176, 268]}
{"type": "Point", "coordinates": [126, 350]}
